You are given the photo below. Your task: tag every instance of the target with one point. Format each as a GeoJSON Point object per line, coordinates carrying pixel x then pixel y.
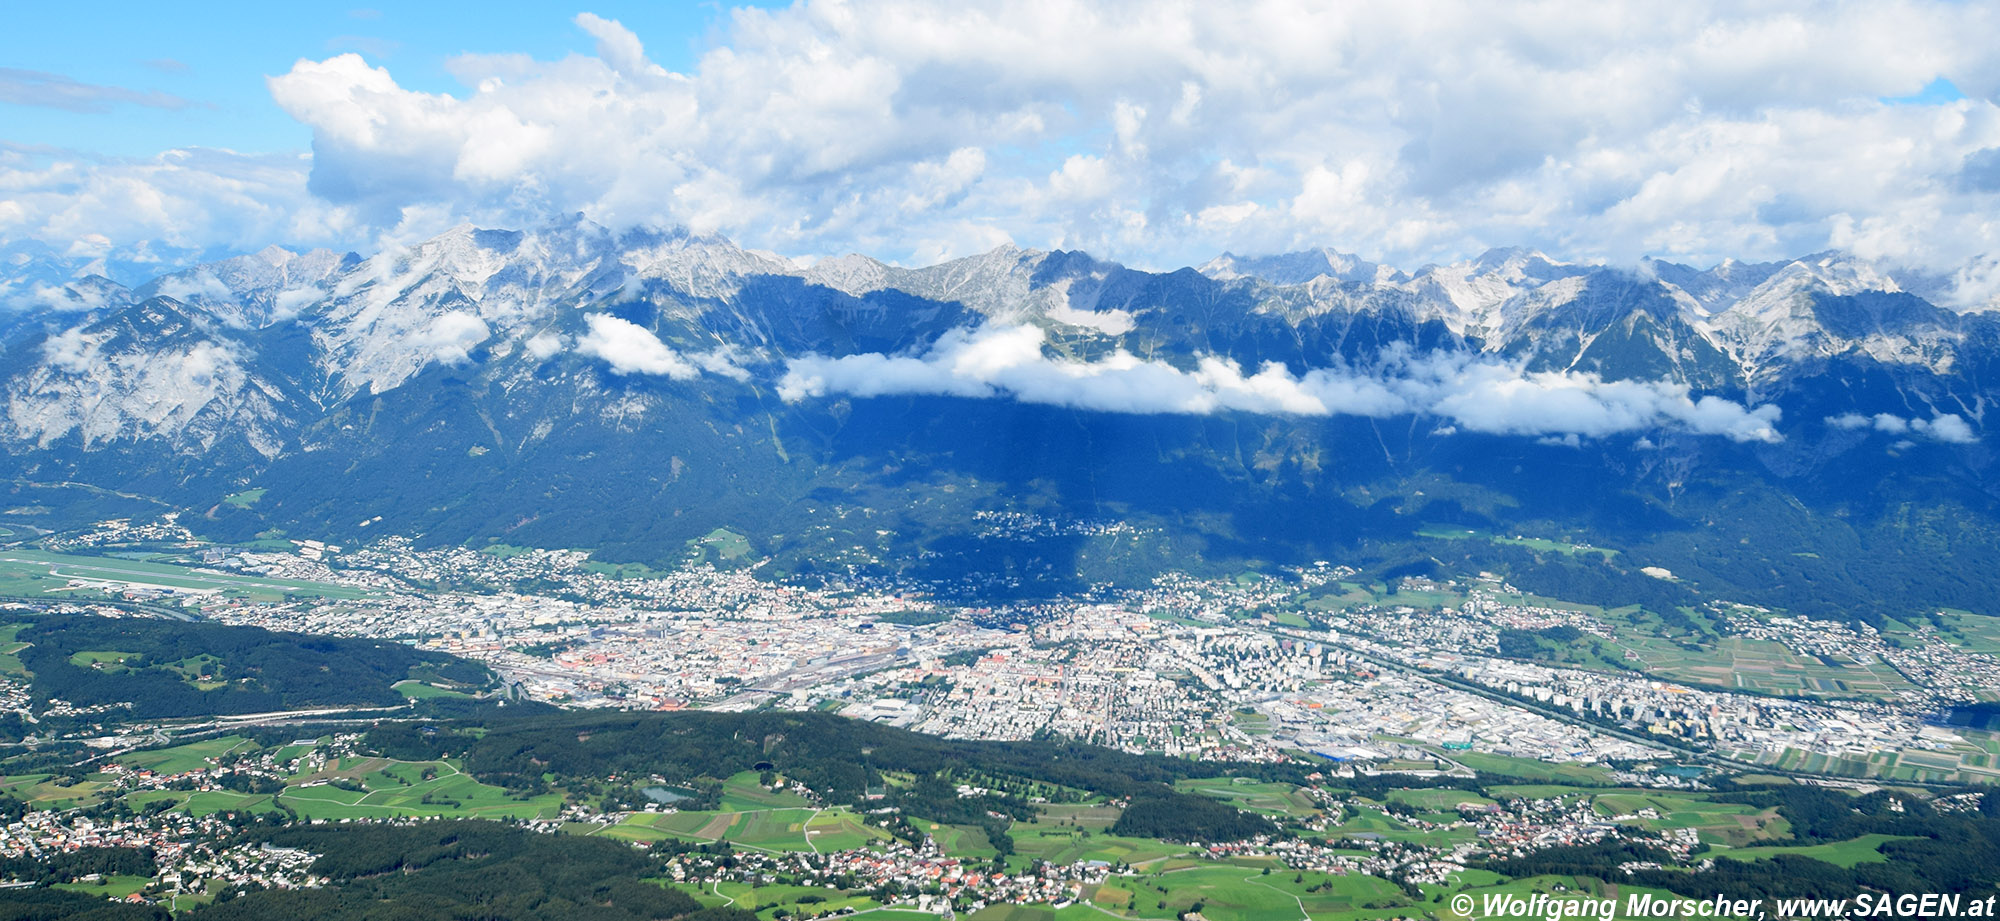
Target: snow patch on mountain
{"type": "Point", "coordinates": [700, 266]}
{"type": "Point", "coordinates": [192, 395]}
{"type": "Point", "coordinates": [250, 292]}
{"type": "Point", "coordinates": [853, 275]}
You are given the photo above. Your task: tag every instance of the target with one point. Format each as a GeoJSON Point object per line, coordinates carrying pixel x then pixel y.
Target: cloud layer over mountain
{"type": "Point", "coordinates": [1157, 132]}
{"type": "Point", "coordinates": [1469, 392]}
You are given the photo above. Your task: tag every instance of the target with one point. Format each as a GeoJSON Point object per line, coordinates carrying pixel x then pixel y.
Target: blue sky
{"type": "Point", "coordinates": [1154, 132]}
{"type": "Point", "coordinates": [217, 56]}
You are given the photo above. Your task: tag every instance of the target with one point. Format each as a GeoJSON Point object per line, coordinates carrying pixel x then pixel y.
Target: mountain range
{"type": "Point", "coordinates": [1808, 432]}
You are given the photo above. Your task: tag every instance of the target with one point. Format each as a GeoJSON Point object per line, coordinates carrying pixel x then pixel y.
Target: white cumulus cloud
{"type": "Point", "coordinates": [1150, 131]}
{"type": "Point", "coordinates": [186, 199]}
{"type": "Point", "coordinates": [202, 284]}
{"type": "Point", "coordinates": [632, 349]}
{"type": "Point", "coordinates": [71, 350]}
{"type": "Point", "coordinates": [202, 363]}
{"type": "Point", "coordinates": [451, 337]}
{"type": "Point", "coordinates": [64, 299]}
{"type": "Point", "coordinates": [887, 125]}
{"type": "Point", "coordinates": [723, 361]}
{"type": "Point", "coordinates": [1949, 428]}
{"type": "Point", "coordinates": [543, 345]}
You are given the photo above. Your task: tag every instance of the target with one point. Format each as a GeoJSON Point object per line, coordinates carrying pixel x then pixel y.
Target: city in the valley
{"type": "Point", "coordinates": [1388, 742]}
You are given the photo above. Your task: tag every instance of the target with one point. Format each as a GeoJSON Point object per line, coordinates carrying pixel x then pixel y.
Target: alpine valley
{"type": "Point", "coordinates": [570, 573]}
{"type": "Point", "coordinates": [1807, 435]}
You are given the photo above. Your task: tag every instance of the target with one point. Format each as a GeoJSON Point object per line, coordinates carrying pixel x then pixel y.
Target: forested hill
{"type": "Point", "coordinates": [147, 668]}
{"type": "Point", "coordinates": [839, 758]}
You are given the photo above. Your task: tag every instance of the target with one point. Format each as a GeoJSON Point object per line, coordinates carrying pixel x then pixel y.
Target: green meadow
{"type": "Point", "coordinates": [39, 571]}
